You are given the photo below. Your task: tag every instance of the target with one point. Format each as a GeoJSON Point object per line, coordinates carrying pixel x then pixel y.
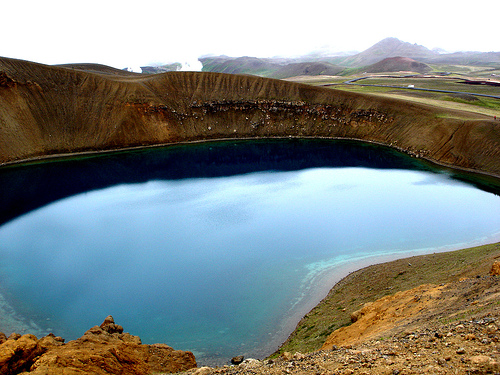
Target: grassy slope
{"type": "Point", "coordinates": [376, 281]}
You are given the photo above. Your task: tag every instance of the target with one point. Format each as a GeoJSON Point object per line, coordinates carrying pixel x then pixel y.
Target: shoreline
{"type": "Point", "coordinates": [319, 286]}
{"type": "Point", "coordinates": [325, 279]}
{"type": "Point", "coordinates": [330, 277]}
{"type": "Point", "coordinates": [97, 153]}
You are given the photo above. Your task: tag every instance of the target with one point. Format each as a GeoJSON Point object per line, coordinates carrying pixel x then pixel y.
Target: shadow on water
{"type": "Point", "coordinates": [28, 187]}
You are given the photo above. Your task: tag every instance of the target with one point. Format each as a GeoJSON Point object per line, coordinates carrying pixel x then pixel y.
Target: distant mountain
{"type": "Point", "coordinates": [271, 67]}
{"type": "Point", "coordinates": [307, 69]}
{"type": "Point", "coordinates": [327, 63]}
{"type": "Point", "coordinates": [398, 64]}
{"type": "Point", "coordinates": [468, 58]}
{"type": "Point", "coordinates": [240, 65]}
{"type": "Point", "coordinates": [388, 47]}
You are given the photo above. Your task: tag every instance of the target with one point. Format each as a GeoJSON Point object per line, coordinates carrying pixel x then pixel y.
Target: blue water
{"type": "Point", "coordinates": [226, 265]}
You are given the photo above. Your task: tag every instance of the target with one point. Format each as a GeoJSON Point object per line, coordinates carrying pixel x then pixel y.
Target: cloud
{"type": "Point", "coordinates": [117, 34]}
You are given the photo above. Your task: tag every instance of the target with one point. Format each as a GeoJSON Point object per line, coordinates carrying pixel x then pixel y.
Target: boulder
{"type": "Point", "coordinates": [109, 325]}
{"type": "Point", "coordinates": [18, 354]}
{"type": "Point", "coordinates": [495, 269]}
{"type": "Point", "coordinates": [103, 349]}
{"type": "Point", "coordinates": [251, 363]}
{"type": "Point", "coordinates": [237, 360]}
{"type": "Point", "coordinates": [6, 81]}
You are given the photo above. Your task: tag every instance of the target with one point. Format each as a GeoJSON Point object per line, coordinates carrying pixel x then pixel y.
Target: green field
{"type": "Point", "coordinates": [397, 85]}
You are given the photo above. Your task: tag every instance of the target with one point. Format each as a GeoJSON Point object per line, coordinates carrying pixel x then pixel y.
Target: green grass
{"type": "Point", "coordinates": [451, 84]}
{"type": "Point", "coordinates": [489, 103]}
{"type": "Point", "coordinates": [464, 102]}
{"type": "Point", "coordinates": [464, 69]}
{"type": "Point", "coordinates": [374, 282]}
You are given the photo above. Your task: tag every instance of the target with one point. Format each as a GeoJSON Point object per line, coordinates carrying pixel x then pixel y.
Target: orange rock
{"type": "Point", "coordinates": [381, 315]}
{"type": "Point", "coordinates": [17, 355]}
{"type": "Point", "coordinates": [101, 350]}
{"type": "Point", "coordinates": [495, 269]}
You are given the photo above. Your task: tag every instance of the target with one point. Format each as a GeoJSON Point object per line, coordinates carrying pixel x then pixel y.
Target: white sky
{"type": "Point", "coordinates": [120, 34]}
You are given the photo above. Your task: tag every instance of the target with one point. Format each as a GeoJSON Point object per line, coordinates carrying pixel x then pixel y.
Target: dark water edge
{"type": "Point", "coordinates": [24, 188]}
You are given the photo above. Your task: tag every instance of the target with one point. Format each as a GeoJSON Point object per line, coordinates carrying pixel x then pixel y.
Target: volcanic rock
{"type": "Point", "coordinates": [237, 360]}
{"type": "Point", "coordinates": [109, 325]}
{"type": "Point", "coordinates": [6, 81]}
{"type": "Point", "coordinates": [495, 269]}
{"type": "Point", "coordinates": [103, 349]}
{"type": "Point", "coordinates": [16, 355]}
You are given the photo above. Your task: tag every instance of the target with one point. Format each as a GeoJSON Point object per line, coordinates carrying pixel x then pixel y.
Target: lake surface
{"type": "Point", "coordinates": [217, 248]}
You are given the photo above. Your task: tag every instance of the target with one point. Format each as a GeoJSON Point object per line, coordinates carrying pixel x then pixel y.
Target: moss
{"type": "Point", "coordinates": [376, 281]}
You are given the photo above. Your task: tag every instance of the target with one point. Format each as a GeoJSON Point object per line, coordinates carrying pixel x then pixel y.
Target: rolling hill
{"type": "Point", "coordinates": [307, 69]}
{"type": "Point", "coordinates": [52, 111]}
{"type": "Point", "coordinates": [398, 64]}
{"type": "Point", "coordinates": [240, 65]}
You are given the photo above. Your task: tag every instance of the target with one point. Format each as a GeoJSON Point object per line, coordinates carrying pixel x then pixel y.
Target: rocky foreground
{"type": "Point", "coordinates": [103, 349]}
{"type": "Point", "coordinates": [463, 347]}
{"type": "Point", "coordinates": [451, 328]}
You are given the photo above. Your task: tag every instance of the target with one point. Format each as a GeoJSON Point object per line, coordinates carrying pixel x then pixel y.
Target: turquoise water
{"type": "Point", "coordinates": [224, 265]}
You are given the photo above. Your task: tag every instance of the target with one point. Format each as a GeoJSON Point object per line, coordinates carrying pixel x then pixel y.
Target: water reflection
{"type": "Point", "coordinates": [26, 188]}
{"type": "Point", "coordinates": [180, 250]}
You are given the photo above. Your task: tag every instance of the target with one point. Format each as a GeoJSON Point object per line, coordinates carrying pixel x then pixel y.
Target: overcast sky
{"type": "Point", "coordinates": [132, 34]}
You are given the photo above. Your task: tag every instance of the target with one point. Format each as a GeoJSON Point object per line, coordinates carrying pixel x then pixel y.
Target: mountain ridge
{"type": "Point", "coordinates": [386, 48]}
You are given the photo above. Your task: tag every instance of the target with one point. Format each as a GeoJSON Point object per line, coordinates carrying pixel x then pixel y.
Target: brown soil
{"type": "Point", "coordinates": [49, 111]}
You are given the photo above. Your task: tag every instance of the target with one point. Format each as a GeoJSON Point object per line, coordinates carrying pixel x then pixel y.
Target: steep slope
{"type": "Point", "coordinates": [49, 111]}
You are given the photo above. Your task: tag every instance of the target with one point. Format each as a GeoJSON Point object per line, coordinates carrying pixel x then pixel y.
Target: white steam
{"type": "Point", "coordinates": [192, 65]}
{"type": "Point", "coordinates": [135, 69]}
